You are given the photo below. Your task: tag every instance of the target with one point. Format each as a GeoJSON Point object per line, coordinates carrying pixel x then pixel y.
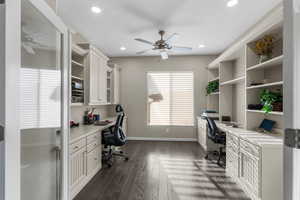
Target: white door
{"type": "Point", "coordinates": [292, 99]}
{"type": "Point", "coordinates": [36, 102]}
{"type": "Point", "coordinates": [2, 105]}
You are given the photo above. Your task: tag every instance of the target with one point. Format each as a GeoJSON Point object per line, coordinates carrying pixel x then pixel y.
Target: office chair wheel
{"type": "Point", "coordinates": [126, 159]}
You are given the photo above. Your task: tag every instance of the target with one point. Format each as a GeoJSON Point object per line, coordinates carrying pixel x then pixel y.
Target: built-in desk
{"type": "Point", "coordinates": [255, 161]}
{"type": "Point", "coordinates": [85, 154]}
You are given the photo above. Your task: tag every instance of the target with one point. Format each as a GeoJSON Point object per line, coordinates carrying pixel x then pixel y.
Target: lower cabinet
{"type": "Point", "coordinates": [256, 168]}
{"type": "Point", "coordinates": [77, 167]}
{"type": "Point", "coordinates": [85, 161]}
{"type": "Point", "coordinates": [93, 161]}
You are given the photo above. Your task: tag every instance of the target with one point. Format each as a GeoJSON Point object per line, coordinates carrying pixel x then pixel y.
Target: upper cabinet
{"type": "Point", "coordinates": [96, 76]}
{"type": "Point", "coordinates": [115, 84]}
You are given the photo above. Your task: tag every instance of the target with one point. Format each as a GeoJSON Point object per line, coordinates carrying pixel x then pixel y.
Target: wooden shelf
{"type": "Point", "coordinates": [214, 93]}
{"type": "Point", "coordinates": [77, 104]}
{"type": "Point", "coordinates": [215, 79]}
{"type": "Point", "coordinates": [263, 112]}
{"type": "Point", "coordinates": [78, 50]}
{"type": "Point", "coordinates": [266, 85]}
{"type": "Point", "coordinates": [75, 77]}
{"type": "Point", "coordinates": [270, 63]}
{"type": "Point", "coordinates": [234, 81]}
{"type": "Point", "coordinates": [77, 63]}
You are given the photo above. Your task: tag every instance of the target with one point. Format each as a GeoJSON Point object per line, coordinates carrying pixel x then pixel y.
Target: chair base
{"type": "Point", "coordinates": [221, 154]}
{"type": "Point", "coordinates": [108, 156]}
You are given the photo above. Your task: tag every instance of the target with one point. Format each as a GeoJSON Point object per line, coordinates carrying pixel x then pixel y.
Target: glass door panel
{"type": "Point", "coordinates": [40, 106]}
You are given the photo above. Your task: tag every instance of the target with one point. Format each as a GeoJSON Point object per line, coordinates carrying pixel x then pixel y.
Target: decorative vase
{"type": "Point", "coordinates": [264, 58]}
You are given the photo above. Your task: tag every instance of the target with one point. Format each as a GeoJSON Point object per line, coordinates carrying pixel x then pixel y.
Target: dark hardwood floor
{"type": "Point", "coordinates": [162, 171]}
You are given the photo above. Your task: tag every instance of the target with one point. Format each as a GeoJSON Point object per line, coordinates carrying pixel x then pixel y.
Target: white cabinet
{"type": "Point", "coordinates": [77, 167]}
{"type": "Point", "coordinates": [96, 76]}
{"type": "Point", "coordinates": [257, 167]}
{"type": "Point", "coordinates": [93, 160]}
{"type": "Point", "coordinates": [116, 85]}
{"type": "Point", "coordinates": [85, 161]}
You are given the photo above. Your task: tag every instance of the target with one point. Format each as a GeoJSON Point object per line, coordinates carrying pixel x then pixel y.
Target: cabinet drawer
{"type": "Point", "coordinates": [230, 138]}
{"type": "Point", "coordinates": [92, 138]}
{"type": "Point", "coordinates": [74, 147]}
{"type": "Point", "coordinates": [92, 146]}
{"type": "Point", "coordinates": [250, 148]}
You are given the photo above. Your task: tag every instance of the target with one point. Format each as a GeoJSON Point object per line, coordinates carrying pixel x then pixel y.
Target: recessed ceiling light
{"type": "Point", "coordinates": [232, 3]}
{"type": "Point", "coordinates": [122, 48]}
{"type": "Point", "coordinates": [201, 46]}
{"type": "Point", "coordinates": [96, 9]}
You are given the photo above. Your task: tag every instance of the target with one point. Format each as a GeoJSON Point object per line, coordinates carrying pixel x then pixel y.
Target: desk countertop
{"type": "Point", "coordinates": [260, 139]}
{"type": "Point", "coordinates": [82, 131]}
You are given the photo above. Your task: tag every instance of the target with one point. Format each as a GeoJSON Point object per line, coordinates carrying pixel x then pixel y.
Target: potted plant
{"type": "Point", "coordinates": [264, 48]}
{"type": "Point", "coordinates": [271, 101]}
{"type": "Point", "coordinates": [212, 87]}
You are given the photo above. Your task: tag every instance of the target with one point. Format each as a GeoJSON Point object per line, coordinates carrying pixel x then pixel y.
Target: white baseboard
{"type": "Point", "coordinates": [163, 139]}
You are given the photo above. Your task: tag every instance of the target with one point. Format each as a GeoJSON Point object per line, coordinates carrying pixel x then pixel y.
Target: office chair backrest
{"type": "Point", "coordinates": [213, 130]}
{"type": "Point", "coordinates": [119, 135]}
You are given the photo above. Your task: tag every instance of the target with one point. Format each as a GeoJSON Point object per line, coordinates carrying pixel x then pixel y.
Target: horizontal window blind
{"type": "Point", "coordinates": [40, 98]}
{"type": "Point", "coordinates": [171, 98]}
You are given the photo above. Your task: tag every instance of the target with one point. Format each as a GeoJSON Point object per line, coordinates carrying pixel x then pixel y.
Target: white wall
{"type": "Point", "coordinates": [77, 112]}
{"type": "Point", "coordinates": [134, 92]}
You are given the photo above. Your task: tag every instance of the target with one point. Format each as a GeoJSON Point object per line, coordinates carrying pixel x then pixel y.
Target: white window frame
{"type": "Point", "coordinates": [147, 92]}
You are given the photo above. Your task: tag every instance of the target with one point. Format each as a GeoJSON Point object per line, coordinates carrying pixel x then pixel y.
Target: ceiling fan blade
{"type": "Point", "coordinates": [164, 55]}
{"type": "Point", "coordinates": [28, 48]}
{"type": "Point", "coordinates": [142, 52]}
{"type": "Point", "coordinates": [178, 48]}
{"type": "Point", "coordinates": [144, 41]}
{"type": "Point", "coordinates": [172, 38]}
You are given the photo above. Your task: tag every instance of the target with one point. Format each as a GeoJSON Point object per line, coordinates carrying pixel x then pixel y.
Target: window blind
{"type": "Point", "coordinates": [40, 99]}
{"type": "Point", "coordinates": [171, 98]}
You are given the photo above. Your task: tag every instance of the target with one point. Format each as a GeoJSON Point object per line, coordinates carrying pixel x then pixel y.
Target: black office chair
{"type": "Point", "coordinates": [218, 137]}
{"type": "Point", "coordinates": [114, 137]}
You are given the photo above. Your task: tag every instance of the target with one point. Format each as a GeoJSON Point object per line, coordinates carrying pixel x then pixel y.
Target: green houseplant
{"type": "Point", "coordinates": [268, 99]}
{"type": "Point", "coordinates": [212, 87]}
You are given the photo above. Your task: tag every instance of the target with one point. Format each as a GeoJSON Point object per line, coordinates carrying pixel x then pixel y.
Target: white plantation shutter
{"type": "Point", "coordinates": [40, 100]}
{"type": "Point", "coordinates": [176, 107]}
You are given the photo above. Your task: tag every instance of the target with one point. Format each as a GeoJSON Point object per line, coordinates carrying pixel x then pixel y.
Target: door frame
{"type": "Point", "coordinates": [291, 98]}
{"type": "Point", "coordinates": [12, 94]}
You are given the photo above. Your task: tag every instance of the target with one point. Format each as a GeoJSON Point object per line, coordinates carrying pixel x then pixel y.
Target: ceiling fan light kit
{"type": "Point", "coordinates": [163, 46]}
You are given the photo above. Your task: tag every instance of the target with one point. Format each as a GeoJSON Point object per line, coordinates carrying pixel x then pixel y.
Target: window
{"type": "Point", "coordinates": [170, 98]}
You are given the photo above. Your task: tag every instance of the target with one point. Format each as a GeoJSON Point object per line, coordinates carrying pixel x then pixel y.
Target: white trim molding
{"type": "Point", "coordinates": [163, 139]}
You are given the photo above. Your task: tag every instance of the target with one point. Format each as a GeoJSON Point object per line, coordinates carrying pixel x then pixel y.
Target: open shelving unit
{"type": "Point", "coordinates": [77, 75]}
{"type": "Point", "coordinates": [213, 98]}
{"type": "Point", "coordinates": [243, 77]}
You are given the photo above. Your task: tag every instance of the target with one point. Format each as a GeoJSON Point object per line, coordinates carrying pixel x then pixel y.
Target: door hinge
{"type": "Point", "coordinates": [1, 133]}
{"type": "Point", "coordinates": [292, 138]}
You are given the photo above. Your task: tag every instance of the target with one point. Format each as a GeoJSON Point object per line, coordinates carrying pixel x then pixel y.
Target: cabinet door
{"type": "Point", "coordinates": [102, 82]}
{"type": "Point", "coordinates": [92, 161]}
{"type": "Point", "coordinates": [94, 78]}
{"type": "Point", "coordinates": [77, 167]}
{"type": "Point", "coordinates": [250, 173]}
{"type": "Point", "coordinates": [116, 88]}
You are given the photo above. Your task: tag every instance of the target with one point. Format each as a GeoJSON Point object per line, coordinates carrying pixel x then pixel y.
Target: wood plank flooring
{"type": "Point", "coordinates": [162, 171]}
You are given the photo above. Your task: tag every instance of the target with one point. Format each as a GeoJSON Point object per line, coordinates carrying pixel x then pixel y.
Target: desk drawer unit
{"type": "Point", "coordinates": [76, 146]}
{"type": "Point", "coordinates": [92, 138]}
{"type": "Point", "coordinates": [92, 146]}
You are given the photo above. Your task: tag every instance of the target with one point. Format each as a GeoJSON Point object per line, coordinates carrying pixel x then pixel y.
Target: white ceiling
{"type": "Point", "coordinates": [208, 22]}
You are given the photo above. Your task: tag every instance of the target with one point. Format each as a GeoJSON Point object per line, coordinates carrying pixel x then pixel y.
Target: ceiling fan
{"type": "Point", "coordinates": [163, 46]}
